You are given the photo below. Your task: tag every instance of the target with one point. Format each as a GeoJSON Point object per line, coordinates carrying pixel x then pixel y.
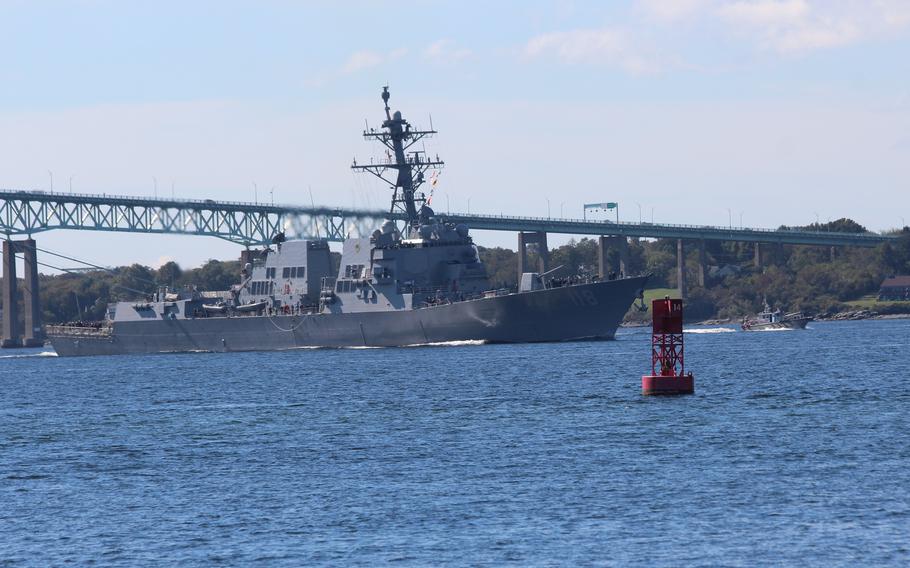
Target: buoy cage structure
{"type": "Point", "coordinates": [668, 369]}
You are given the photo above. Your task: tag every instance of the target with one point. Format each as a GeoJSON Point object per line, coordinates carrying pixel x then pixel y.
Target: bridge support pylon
{"type": "Point", "coordinates": [13, 334]}
{"type": "Point", "coordinates": [623, 244]}
{"type": "Point", "coordinates": [543, 253]}
{"type": "Point", "coordinates": [680, 269]}
{"type": "Point", "coordinates": [702, 264]}
{"type": "Point", "coordinates": [604, 244]}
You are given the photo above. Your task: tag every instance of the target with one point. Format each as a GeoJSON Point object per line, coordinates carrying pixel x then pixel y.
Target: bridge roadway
{"type": "Point", "coordinates": [24, 213]}
{"type": "Point", "coordinates": [30, 212]}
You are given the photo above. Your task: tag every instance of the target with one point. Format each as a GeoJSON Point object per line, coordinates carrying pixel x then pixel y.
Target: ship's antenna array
{"type": "Point", "coordinates": [398, 137]}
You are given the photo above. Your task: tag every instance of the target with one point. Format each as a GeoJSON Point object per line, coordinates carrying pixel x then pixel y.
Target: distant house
{"type": "Point", "coordinates": [895, 288]}
{"type": "Point", "coordinates": [724, 271]}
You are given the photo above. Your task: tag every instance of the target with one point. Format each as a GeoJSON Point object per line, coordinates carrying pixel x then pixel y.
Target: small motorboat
{"type": "Point", "coordinates": [773, 319]}
{"type": "Point", "coordinates": [252, 307]}
{"type": "Point", "coordinates": [214, 308]}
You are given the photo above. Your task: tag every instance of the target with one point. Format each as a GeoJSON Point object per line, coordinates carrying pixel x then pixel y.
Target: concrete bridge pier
{"type": "Point", "coordinates": [538, 238]}
{"type": "Point", "coordinates": [680, 269]}
{"type": "Point", "coordinates": [758, 257]}
{"type": "Point", "coordinates": [623, 245]}
{"type": "Point", "coordinates": [34, 334]}
{"type": "Point", "coordinates": [702, 264]}
{"type": "Point", "coordinates": [13, 334]}
{"type": "Point", "coordinates": [604, 244]}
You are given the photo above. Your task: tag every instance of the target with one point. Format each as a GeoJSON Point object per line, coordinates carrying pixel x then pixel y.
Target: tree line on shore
{"type": "Point", "coordinates": [791, 277]}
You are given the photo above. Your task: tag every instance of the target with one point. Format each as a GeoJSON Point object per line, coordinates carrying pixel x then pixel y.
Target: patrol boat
{"type": "Point", "coordinates": [774, 319]}
{"type": "Point", "coordinates": [421, 283]}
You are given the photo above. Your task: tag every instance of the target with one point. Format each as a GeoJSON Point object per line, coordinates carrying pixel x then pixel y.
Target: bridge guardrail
{"type": "Point", "coordinates": [22, 214]}
{"type": "Point", "coordinates": [631, 224]}
{"type": "Point", "coordinates": [162, 201]}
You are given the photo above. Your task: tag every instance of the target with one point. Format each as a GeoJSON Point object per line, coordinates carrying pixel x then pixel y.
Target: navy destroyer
{"type": "Point", "coordinates": [419, 283]}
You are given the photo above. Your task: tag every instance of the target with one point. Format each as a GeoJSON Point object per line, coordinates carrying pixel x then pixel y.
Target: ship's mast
{"type": "Point", "coordinates": [398, 137]}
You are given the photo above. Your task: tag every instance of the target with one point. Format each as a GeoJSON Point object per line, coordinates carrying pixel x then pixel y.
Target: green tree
{"type": "Point", "coordinates": [215, 275]}
{"type": "Point", "coordinates": [169, 274]}
{"type": "Point", "coordinates": [135, 281]}
{"type": "Point", "coordinates": [501, 264]}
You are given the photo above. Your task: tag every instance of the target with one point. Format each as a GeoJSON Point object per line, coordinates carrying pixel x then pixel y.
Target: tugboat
{"type": "Point", "coordinates": [773, 319]}
{"type": "Point", "coordinates": [419, 283]}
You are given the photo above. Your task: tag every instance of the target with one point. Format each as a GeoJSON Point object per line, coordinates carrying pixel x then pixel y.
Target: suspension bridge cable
{"type": "Point", "coordinates": [45, 251]}
{"type": "Point", "coordinates": [70, 271]}
{"type": "Point", "coordinates": [106, 269]}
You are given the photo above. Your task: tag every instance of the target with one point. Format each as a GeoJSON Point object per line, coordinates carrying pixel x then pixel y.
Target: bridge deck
{"type": "Point", "coordinates": [29, 212]}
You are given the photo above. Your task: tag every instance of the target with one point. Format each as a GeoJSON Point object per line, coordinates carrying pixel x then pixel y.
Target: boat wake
{"type": "Point", "coordinates": [710, 330]}
{"type": "Point", "coordinates": [330, 347]}
{"type": "Point", "coordinates": [459, 343]}
{"type": "Point", "coordinates": [25, 355]}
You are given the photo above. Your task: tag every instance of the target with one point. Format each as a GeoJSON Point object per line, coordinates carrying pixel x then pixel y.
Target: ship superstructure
{"type": "Point", "coordinates": [407, 166]}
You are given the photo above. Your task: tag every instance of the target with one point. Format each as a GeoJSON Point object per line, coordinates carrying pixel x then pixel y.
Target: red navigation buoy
{"type": "Point", "coordinates": [668, 374]}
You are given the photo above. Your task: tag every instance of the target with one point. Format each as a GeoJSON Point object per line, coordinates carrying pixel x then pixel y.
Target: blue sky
{"type": "Point", "coordinates": [776, 110]}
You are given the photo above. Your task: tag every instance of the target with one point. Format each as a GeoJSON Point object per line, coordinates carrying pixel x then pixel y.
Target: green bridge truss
{"type": "Point", "coordinates": [30, 212]}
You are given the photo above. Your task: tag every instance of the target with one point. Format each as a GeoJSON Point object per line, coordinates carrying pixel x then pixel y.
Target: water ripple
{"type": "Point", "coordinates": [792, 451]}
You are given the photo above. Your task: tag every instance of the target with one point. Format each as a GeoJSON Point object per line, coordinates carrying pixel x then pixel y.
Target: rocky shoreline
{"type": "Point", "coordinates": [849, 315]}
{"type": "Point", "coordinates": [853, 315]}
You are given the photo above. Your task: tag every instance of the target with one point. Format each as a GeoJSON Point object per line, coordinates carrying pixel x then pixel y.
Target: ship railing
{"type": "Point", "coordinates": [409, 289]}
{"type": "Point", "coordinates": [214, 294]}
{"type": "Point", "coordinates": [410, 160]}
{"type": "Point", "coordinates": [83, 331]}
{"type": "Point", "coordinates": [448, 294]}
{"type": "Point", "coordinates": [497, 292]}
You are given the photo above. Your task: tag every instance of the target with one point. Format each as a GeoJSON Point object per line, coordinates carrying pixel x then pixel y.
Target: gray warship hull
{"type": "Point", "coordinates": [579, 312]}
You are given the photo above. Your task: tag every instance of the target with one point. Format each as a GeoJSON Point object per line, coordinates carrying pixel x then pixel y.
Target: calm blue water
{"type": "Point", "coordinates": [794, 450]}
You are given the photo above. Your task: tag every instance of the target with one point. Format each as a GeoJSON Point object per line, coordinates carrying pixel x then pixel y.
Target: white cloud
{"type": "Point", "coordinates": [895, 12]}
{"type": "Point", "coordinates": [362, 60]}
{"type": "Point", "coordinates": [795, 26]}
{"type": "Point", "coordinates": [672, 10]}
{"type": "Point", "coordinates": [366, 59]}
{"type": "Point", "coordinates": [603, 46]}
{"type": "Point", "coordinates": [818, 35]}
{"type": "Point", "coordinates": [445, 51]}
{"type": "Point", "coordinates": [766, 12]}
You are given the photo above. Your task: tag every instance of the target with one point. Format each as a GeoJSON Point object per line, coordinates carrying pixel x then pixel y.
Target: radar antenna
{"type": "Point", "coordinates": [398, 137]}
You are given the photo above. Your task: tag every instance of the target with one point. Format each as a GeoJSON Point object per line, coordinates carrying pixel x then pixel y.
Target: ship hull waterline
{"type": "Point", "coordinates": [585, 311]}
{"type": "Point", "coordinates": [791, 324]}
